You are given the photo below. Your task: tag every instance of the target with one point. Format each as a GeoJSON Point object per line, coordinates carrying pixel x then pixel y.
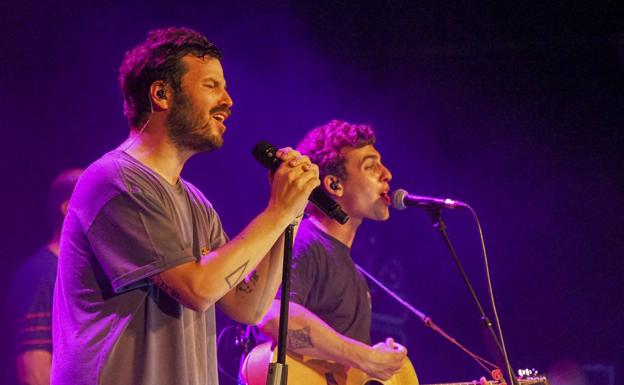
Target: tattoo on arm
{"type": "Point", "coordinates": [236, 275]}
{"type": "Point", "coordinates": [248, 285]}
{"type": "Point", "coordinates": [299, 338]}
{"type": "Point", "coordinates": [158, 281]}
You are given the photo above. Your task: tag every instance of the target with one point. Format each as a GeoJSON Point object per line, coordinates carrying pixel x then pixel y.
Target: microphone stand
{"type": "Point", "coordinates": [435, 213]}
{"type": "Point", "coordinates": [278, 371]}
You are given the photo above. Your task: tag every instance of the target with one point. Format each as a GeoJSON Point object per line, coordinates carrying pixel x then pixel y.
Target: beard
{"type": "Point", "coordinates": [188, 127]}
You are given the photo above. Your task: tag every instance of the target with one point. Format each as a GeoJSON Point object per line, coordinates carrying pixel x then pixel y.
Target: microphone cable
{"type": "Point", "coordinates": [491, 292]}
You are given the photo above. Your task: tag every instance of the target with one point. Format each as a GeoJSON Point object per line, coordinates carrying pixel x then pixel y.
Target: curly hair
{"type": "Point", "coordinates": [323, 145]}
{"type": "Point", "coordinates": [158, 58]}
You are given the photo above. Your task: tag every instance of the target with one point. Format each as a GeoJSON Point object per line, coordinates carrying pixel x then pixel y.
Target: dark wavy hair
{"type": "Point", "coordinates": [158, 58]}
{"type": "Point", "coordinates": [323, 145]}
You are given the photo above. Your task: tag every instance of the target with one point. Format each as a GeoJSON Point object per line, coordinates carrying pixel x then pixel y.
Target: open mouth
{"type": "Point", "coordinates": [220, 117]}
{"type": "Point", "coordinates": [385, 196]}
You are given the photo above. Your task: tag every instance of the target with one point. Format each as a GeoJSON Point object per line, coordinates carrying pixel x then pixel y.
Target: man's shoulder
{"type": "Point", "coordinates": [309, 235]}
{"type": "Point", "coordinates": [104, 173]}
{"type": "Point", "coordinates": [114, 173]}
{"type": "Point", "coordinates": [310, 243]}
{"type": "Point", "coordinates": [103, 180]}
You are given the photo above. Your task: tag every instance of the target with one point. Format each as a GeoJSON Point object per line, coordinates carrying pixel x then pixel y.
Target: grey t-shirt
{"type": "Point", "coordinates": [111, 325]}
{"type": "Point", "coordinates": [325, 281]}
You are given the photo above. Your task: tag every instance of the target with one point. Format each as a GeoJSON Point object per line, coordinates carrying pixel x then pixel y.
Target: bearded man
{"type": "Point", "coordinates": [143, 256]}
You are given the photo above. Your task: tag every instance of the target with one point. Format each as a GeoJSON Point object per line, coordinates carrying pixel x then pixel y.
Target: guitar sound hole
{"type": "Point", "coordinates": [373, 382]}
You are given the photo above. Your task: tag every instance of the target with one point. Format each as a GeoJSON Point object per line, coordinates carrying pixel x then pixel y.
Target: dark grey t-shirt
{"type": "Point", "coordinates": [111, 325]}
{"type": "Point", "coordinates": [325, 281]}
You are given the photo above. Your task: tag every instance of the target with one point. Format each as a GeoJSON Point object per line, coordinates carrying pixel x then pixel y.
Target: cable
{"type": "Point", "coordinates": [429, 322]}
{"type": "Point", "coordinates": [149, 97]}
{"type": "Point", "coordinates": [491, 292]}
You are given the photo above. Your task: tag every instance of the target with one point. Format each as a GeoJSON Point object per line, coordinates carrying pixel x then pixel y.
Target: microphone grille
{"type": "Point", "coordinates": [397, 199]}
{"type": "Point", "coordinates": [264, 152]}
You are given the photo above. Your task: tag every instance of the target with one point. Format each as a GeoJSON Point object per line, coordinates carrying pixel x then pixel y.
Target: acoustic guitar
{"type": "Point", "coordinates": [304, 370]}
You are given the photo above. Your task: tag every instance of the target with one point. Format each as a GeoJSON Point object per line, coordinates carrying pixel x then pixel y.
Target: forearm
{"type": "Point", "coordinates": [251, 299]}
{"type": "Point", "coordinates": [311, 336]}
{"type": "Point", "coordinates": [201, 284]}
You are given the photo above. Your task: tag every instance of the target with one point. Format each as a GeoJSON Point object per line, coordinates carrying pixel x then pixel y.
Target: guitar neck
{"type": "Point", "coordinates": [466, 383]}
{"type": "Point", "coordinates": [521, 381]}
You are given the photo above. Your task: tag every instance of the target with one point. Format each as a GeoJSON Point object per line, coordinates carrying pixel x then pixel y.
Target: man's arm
{"type": "Point", "coordinates": [250, 300]}
{"type": "Point", "coordinates": [311, 336]}
{"type": "Point", "coordinates": [33, 367]}
{"type": "Point", "coordinates": [198, 285]}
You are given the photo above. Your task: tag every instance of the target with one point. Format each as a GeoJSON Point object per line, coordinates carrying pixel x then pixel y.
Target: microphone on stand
{"type": "Point", "coordinates": [401, 200]}
{"type": "Point", "coordinates": [264, 153]}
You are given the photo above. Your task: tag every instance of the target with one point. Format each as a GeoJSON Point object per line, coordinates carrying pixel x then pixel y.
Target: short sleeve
{"type": "Point", "coordinates": [134, 237]}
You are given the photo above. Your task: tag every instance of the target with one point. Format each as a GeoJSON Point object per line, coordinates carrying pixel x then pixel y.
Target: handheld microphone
{"type": "Point", "coordinates": [401, 199]}
{"type": "Point", "coordinates": [264, 153]}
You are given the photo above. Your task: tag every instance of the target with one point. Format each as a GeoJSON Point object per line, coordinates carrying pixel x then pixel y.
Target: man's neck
{"type": "Point", "coordinates": [153, 148]}
{"type": "Point", "coordinates": [344, 233]}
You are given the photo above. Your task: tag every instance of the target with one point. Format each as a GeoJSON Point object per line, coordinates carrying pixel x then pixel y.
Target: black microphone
{"type": "Point", "coordinates": [401, 199]}
{"type": "Point", "coordinates": [264, 153]}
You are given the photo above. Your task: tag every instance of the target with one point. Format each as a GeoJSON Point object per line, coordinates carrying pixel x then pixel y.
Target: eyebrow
{"type": "Point", "coordinates": [213, 79]}
{"type": "Point", "coordinates": [367, 157]}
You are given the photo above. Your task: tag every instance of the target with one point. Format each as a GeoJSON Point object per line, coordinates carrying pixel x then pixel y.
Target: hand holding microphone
{"type": "Point", "coordinates": [270, 157]}
{"type": "Point", "coordinates": [292, 181]}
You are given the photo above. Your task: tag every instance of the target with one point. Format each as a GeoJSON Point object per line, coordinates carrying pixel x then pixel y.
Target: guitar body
{"type": "Point", "coordinates": [309, 371]}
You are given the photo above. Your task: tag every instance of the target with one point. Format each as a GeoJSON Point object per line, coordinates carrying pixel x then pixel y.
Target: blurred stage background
{"type": "Point", "coordinates": [515, 108]}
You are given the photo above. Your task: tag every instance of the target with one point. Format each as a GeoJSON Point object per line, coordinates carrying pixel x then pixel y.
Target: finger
{"type": "Point", "coordinates": [285, 168]}
{"type": "Point", "coordinates": [307, 167]}
{"type": "Point", "coordinates": [311, 167]}
{"type": "Point", "coordinates": [282, 152]}
{"type": "Point", "coordinates": [378, 345]}
{"type": "Point", "coordinates": [300, 160]}
{"type": "Point", "coordinates": [295, 173]}
{"type": "Point", "coordinates": [296, 178]}
{"type": "Point", "coordinates": [287, 153]}
{"type": "Point", "coordinates": [308, 180]}
{"type": "Point", "coordinates": [390, 342]}
{"type": "Point", "coordinates": [400, 348]}
{"type": "Point", "coordinates": [392, 371]}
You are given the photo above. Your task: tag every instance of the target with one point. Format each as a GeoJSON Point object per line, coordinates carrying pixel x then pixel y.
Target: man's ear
{"type": "Point", "coordinates": [332, 185]}
{"type": "Point", "coordinates": [159, 95]}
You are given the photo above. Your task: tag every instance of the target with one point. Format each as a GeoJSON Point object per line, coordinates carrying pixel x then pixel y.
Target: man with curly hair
{"type": "Point", "coordinates": [330, 313]}
{"type": "Point", "coordinates": [143, 256]}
